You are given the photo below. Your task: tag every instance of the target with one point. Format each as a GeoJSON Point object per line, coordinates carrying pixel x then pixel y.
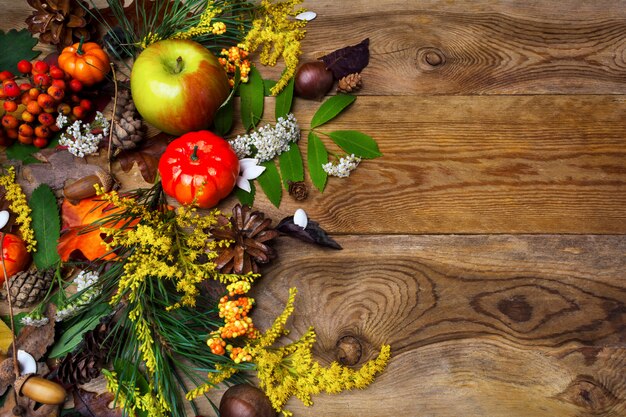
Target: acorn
{"type": "Point", "coordinates": [245, 400]}
{"type": "Point", "coordinates": [313, 80]}
{"type": "Point", "coordinates": [40, 389]}
{"type": "Point", "coordinates": [85, 187]}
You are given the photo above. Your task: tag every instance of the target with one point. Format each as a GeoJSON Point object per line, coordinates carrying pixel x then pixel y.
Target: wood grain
{"type": "Point", "coordinates": [478, 325]}
{"type": "Point", "coordinates": [503, 164]}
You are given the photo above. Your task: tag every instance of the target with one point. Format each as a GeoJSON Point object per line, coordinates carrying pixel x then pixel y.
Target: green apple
{"type": "Point", "coordinates": [178, 85]}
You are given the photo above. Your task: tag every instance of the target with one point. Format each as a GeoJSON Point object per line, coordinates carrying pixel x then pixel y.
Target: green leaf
{"type": "Point", "coordinates": [71, 337]}
{"type": "Point", "coordinates": [244, 197]}
{"type": "Point", "coordinates": [16, 46]}
{"type": "Point", "coordinates": [223, 121]}
{"type": "Point", "coordinates": [24, 153]}
{"type": "Point", "coordinates": [46, 225]}
{"type": "Point", "coordinates": [284, 100]}
{"type": "Point", "coordinates": [269, 181]}
{"type": "Point", "coordinates": [291, 165]}
{"type": "Point", "coordinates": [357, 143]}
{"type": "Point", "coordinates": [317, 155]}
{"type": "Point", "coordinates": [268, 84]}
{"type": "Point", "coordinates": [252, 100]}
{"type": "Point", "coordinates": [331, 108]}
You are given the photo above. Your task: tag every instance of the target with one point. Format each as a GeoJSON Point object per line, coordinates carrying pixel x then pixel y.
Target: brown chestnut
{"type": "Point", "coordinates": [245, 400]}
{"type": "Point", "coordinates": [313, 80]}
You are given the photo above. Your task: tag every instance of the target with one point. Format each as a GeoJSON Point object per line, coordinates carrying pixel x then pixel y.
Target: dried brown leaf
{"type": "Point", "coordinates": [146, 157]}
{"type": "Point", "coordinates": [91, 404]}
{"type": "Point", "coordinates": [36, 340]}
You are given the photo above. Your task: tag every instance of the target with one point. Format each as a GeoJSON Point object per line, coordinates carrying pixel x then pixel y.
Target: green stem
{"type": "Point", "coordinates": [194, 154]}
{"type": "Point", "coordinates": [80, 51]}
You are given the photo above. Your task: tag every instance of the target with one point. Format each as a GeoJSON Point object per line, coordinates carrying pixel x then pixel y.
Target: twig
{"type": "Point", "coordinates": [16, 364]}
{"type": "Point", "coordinates": [112, 117]}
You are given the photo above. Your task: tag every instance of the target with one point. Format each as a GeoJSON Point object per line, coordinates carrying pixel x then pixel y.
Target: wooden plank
{"type": "Point", "coordinates": [478, 325]}
{"type": "Point", "coordinates": [470, 47]}
{"type": "Point", "coordinates": [514, 164]}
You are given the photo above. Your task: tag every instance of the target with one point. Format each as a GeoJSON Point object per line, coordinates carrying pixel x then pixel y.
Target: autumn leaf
{"type": "Point", "coordinates": [146, 157]}
{"type": "Point", "coordinates": [91, 404]}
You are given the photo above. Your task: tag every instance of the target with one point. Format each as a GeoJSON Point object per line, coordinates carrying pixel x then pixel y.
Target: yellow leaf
{"type": "Point", "coordinates": [6, 338]}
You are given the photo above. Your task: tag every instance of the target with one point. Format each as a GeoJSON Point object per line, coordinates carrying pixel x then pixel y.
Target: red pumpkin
{"type": "Point", "coordinates": [199, 167]}
{"type": "Point", "coordinates": [16, 257]}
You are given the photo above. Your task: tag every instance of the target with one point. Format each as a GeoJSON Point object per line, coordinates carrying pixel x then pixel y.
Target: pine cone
{"type": "Point", "coordinates": [85, 363]}
{"type": "Point", "coordinates": [249, 230]}
{"type": "Point", "coordinates": [349, 83]}
{"type": "Point", "coordinates": [28, 287]}
{"type": "Point", "coordinates": [60, 22]}
{"type": "Point", "coordinates": [128, 128]}
{"type": "Point", "coordinates": [298, 190]}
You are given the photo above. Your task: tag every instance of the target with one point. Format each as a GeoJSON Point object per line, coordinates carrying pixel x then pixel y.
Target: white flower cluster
{"type": "Point", "coordinates": [343, 167]}
{"type": "Point", "coordinates": [34, 319]}
{"type": "Point", "coordinates": [80, 138]}
{"type": "Point", "coordinates": [85, 285]}
{"type": "Point", "coordinates": [267, 142]}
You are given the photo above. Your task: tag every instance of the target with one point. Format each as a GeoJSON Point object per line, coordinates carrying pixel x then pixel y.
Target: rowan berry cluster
{"type": "Point", "coordinates": [32, 101]}
{"type": "Point", "coordinates": [234, 309]}
{"type": "Point", "coordinates": [236, 57]}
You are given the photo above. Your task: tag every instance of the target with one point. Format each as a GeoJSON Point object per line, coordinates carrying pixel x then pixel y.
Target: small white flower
{"type": "Point", "coordinates": [343, 167]}
{"type": "Point", "coordinates": [36, 320]}
{"type": "Point", "coordinates": [61, 120]}
{"type": "Point", "coordinates": [85, 279]}
{"type": "Point", "coordinates": [267, 142]}
{"type": "Point", "coordinates": [248, 170]}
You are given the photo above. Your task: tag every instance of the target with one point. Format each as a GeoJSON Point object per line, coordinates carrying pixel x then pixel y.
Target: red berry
{"type": "Point", "coordinates": [24, 66]}
{"type": "Point", "coordinates": [25, 129]}
{"type": "Point", "coordinates": [25, 98]}
{"type": "Point", "coordinates": [42, 131]}
{"type": "Point", "coordinates": [26, 140]}
{"type": "Point", "coordinates": [76, 85]}
{"type": "Point", "coordinates": [46, 119]}
{"type": "Point", "coordinates": [6, 75]}
{"type": "Point", "coordinates": [56, 93]}
{"type": "Point", "coordinates": [9, 121]}
{"type": "Point", "coordinates": [79, 112]}
{"type": "Point", "coordinates": [42, 80]}
{"type": "Point", "coordinates": [28, 117]}
{"type": "Point", "coordinates": [40, 142]}
{"type": "Point", "coordinates": [33, 107]}
{"type": "Point", "coordinates": [34, 92]}
{"type": "Point", "coordinates": [59, 83]}
{"type": "Point", "coordinates": [56, 72]}
{"type": "Point", "coordinates": [86, 104]}
{"type": "Point", "coordinates": [12, 133]}
{"type": "Point", "coordinates": [26, 86]}
{"type": "Point", "coordinates": [45, 101]}
{"type": "Point", "coordinates": [40, 67]}
{"type": "Point", "coordinates": [11, 89]}
{"type": "Point", "coordinates": [64, 108]}
{"type": "Point", "coordinates": [9, 105]}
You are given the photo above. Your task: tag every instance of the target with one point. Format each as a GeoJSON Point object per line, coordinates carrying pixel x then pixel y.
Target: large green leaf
{"type": "Point", "coordinates": [284, 99]}
{"type": "Point", "coordinates": [291, 165]}
{"type": "Point", "coordinates": [223, 121]}
{"type": "Point", "coordinates": [71, 337]}
{"type": "Point", "coordinates": [331, 108]}
{"type": "Point", "coordinates": [317, 155]}
{"type": "Point", "coordinates": [46, 225]}
{"type": "Point", "coordinates": [16, 46]}
{"type": "Point", "coordinates": [252, 99]}
{"type": "Point", "coordinates": [244, 197]}
{"type": "Point", "coordinates": [354, 142]}
{"type": "Point", "coordinates": [269, 181]}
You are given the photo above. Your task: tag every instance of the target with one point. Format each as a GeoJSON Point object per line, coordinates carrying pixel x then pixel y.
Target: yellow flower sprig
{"type": "Point", "coordinates": [205, 25]}
{"type": "Point", "coordinates": [132, 400]}
{"type": "Point", "coordinates": [279, 35]}
{"type": "Point", "coordinates": [19, 206]}
{"type": "Point", "coordinates": [291, 371]}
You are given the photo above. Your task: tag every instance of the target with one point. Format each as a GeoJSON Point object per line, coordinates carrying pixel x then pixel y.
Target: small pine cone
{"type": "Point", "coordinates": [298, 190]}
{"type": "Point", "coordinates": [85, 363]}
{"type": "Point", "coordinates": [28, 287]}
{"type": "Point", "coordinates": [349, 83]}
{"type": "Point", "coordinates": [60, 22]}
{"type": "Point", "coordinates": [128, 128]}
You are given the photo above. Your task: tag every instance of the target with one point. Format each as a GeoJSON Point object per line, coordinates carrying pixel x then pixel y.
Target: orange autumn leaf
{"type": "Point", "coordinates": [79, 236]}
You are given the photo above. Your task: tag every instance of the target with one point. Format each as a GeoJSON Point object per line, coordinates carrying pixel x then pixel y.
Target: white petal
{"type": "Point", "coordinates": [4, 218]}
{"type": "Point", "coordinates": [27, 363]}
{"type": "Point", "coordinates": [306, 16]}
{"type": "Point", "coordinates": [300, 218]}
{"type": "Point", "coordinates": [244, 184]}
{"type": "Point", "coordinates": [252, 172]}
{"type": "Point", "coordinates": [246, 163]}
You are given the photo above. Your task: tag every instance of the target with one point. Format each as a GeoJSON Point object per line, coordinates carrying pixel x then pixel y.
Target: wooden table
{"type": "Point", "coordinates": [487, 245]}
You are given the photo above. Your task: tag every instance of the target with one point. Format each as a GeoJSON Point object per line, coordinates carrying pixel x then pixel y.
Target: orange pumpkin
{"type": "Point", "coordinates": [87, 62]}
{"type": "Point", "coordinates": [14, 254]}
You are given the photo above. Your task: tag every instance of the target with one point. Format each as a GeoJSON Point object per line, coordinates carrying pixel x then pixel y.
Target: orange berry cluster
{"type": "Point", "coordinates": [237, 323]}
{"type": "Point", "coordinates": [32, 102]}
{"type": "Point", "coordinates": [236, 58]}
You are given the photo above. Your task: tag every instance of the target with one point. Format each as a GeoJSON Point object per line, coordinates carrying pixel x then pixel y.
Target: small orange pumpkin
{"type": "Point", "coordinates": [16, 257]}
{"type": "Point", "coordinates": [85, 61]}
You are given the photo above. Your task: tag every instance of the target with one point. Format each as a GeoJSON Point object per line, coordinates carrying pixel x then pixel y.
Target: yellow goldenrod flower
{"type": "Point", "coordinates": [205, 24]}
{"type": "Point", "coordinates": [19, 206]}
{"type": "Point", "coordinates": [279, 35]}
